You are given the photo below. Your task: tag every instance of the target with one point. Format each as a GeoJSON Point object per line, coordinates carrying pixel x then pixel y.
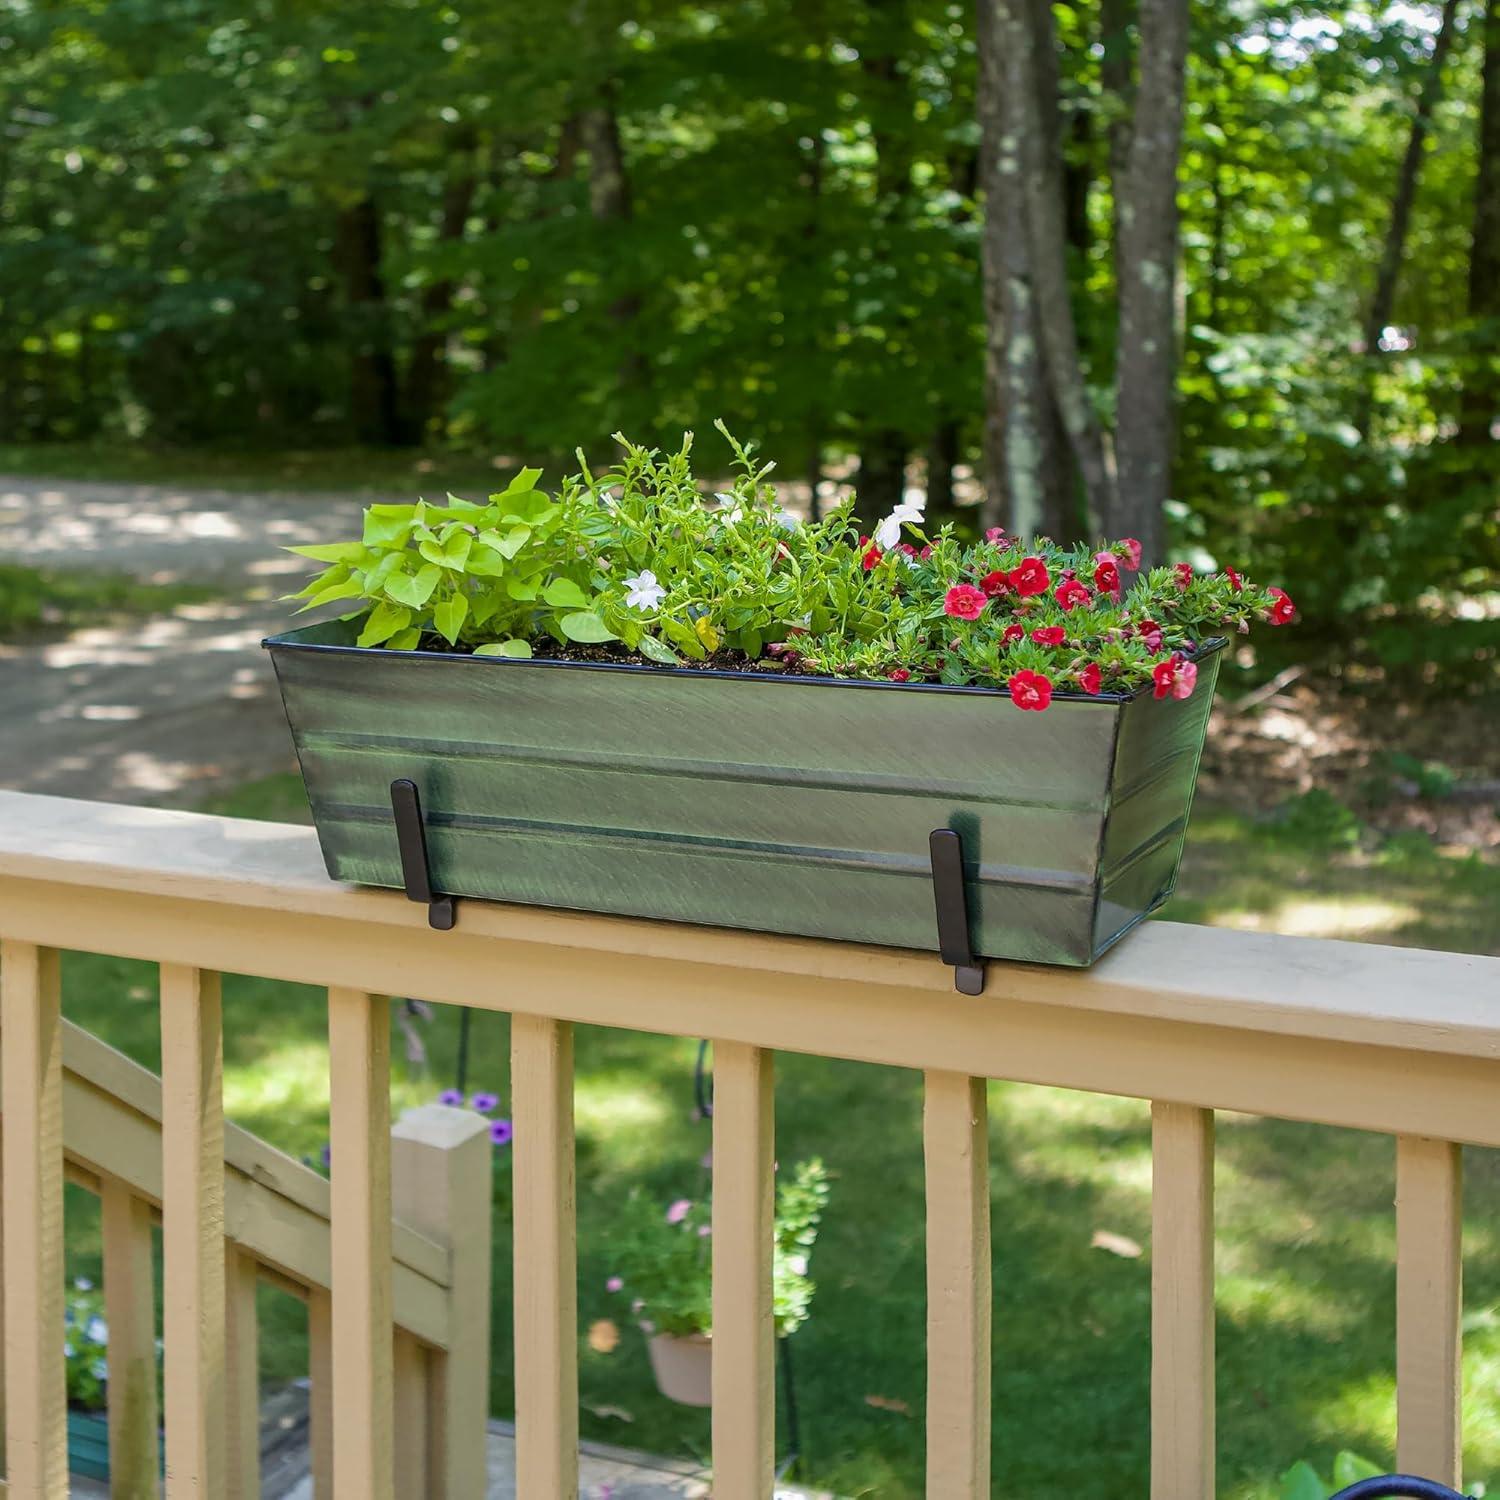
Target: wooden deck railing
{"type": "Point", "coordinates": [1194, 1019]}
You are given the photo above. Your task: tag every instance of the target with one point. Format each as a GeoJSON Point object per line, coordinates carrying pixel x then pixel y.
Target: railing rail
{"type": "Point", "coordinates": [1192, 1019]}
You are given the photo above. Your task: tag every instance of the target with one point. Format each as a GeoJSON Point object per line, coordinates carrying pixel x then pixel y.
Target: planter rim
{"type": "Point", "coordinates": [289, 639]}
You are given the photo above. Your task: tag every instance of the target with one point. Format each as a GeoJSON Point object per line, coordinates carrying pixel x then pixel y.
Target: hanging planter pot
{"type": "Point", "coordinates": [777, 803]}
{"type": "Point", "coordinates": [683, 1367]}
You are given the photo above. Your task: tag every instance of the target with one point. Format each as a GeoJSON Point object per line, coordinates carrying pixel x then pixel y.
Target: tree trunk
{"type": "Point", "coordinates": [610, 200]}
{"type": "Point", "coordinates": [1025, 466]}
{"type": "Point", "coordinates": [1145, 362]}
{"type": "Point", "coordinates": [1383, 303]}
{"type": "Point", "coordinates": [942, 456]}
{"type": "Point", "coordinates": [1026, 62]}
{"type": "Point", "coordinates": [373, 403]}
{"type": "Point", "coordinates": [882, 474]}
{"type": "Point", "coordinates": [426, 375]}
{"type": "Point", "coordinates": [1481, 403]}
{"type": "Point", "coordinates": [1117, 84]}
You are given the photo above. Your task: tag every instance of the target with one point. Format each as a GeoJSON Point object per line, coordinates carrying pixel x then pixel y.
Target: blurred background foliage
{"type": "Point", "coordinates": [492, 228]}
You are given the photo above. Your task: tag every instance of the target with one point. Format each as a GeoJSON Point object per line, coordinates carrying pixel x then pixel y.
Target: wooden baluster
{"type": "Point", "coordinates": [320, 1392]}
{"type": "Point", "coordinates": [546, 1259]}
{"type": "Point", "coordinates": [36, 1444]}
{"type": "Point", "coordinates": [1429, 1308]}
{"type": "Point", "coordinates": [130, 1309]}
{"type": "Point", "coordinates": [359, 1055]}
{"type": "Point", "coordinates": [955, 1130]}
{"type": "Point", "coordinates": [1182, 1302]}
{"type": "Point", "coordinates": [413, 1379]}
{"type": "Point", "coordinates": [242, 1466]}
{"type": "Point", "coordinates": [744, 1222]}
{"type": "Point", "coordinates": [192, 1110]}
{"type": "Point", "coordinates": [441, 1166]}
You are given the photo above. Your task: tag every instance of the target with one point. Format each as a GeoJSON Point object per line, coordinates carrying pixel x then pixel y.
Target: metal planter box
{"type": "Point", "coordinates": [761, 801]}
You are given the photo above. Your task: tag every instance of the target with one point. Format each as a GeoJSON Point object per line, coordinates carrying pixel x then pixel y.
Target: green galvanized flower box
{"type": "Point", "coordinates": [88, 1443]}
{"type": "Point", "coordinates": [754, 800]}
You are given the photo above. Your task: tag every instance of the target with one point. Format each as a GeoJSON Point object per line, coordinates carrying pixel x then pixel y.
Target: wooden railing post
{"type": "Point", "coordinates": [1429, 1308]}
{"type": "Point", "coordinates": [36, 1444]}
{"type": "Point", "coordinates": [359, 1063]}
{"type": "Point", "coordinates": [955, 1128]}
{"type": "Point", "coordinates": [546, 1264]}
{"type": "Point", "coordinates": [320, 1393]}
{"type": "Point", "coordinates": [242, 1465]}
{"type": "Point", "coordinates": [744, 1223]}
{"type": "Point", "coordinates": [441, 1186]}
{"type": "Point", "coordinates": [1182, 1302]}
{"type": "Point", "coordinates": [130, 1309]}
{"type": "Point", "coordinates": [192, 1110]}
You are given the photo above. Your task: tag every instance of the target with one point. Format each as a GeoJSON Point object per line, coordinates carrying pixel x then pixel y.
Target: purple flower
{"type": "Point", "coordinates": [325, 1155]}
{"type": "Point", "coordinates": [704, 1230]}
{"type": "Point", "coordinates": [615, 1284]}
{"type": "Point", "coordinates": [501, 1132]}
{"type": "Point", "coordinates": [452, 1097]}
{"type": "Point", "coordinates": [485, 1103]}
{"type": "Point", "coordinates": [679, 1211]}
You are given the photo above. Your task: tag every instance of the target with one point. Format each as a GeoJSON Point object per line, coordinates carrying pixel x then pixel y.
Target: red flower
{"type": "Point", "coordinates": [1071, 594]}
{"type": "Point", "coordinates": [1132, 558]}
{"type": "Point", "coordinates": [900, 675]}
{"type": "Point", "coordinates": [1235, 581]}
{"type": "Point", "coordinates": [870, 554]}
{"type": "Point", "coordinates": [1164, 675]}
{"type": "Point", "coordinates": [964, 602]}
{"type": "Point", "coordinates": [996, 583]}
{"type": "Point", "coordinates": [1150, 632]}
{"type": "Point", "coordinates": [1107, 574]}
{"type": "Point", "coordinates": [1184, 573]}
{"type": "Point", "coordinates": [925, 553]}
{"type": "Point", "coordinates": [995, 534]}
{"type": "Point", "coordinates": [1031, 577]}
{"type": "Point", "coordinates": [1088, 679]}
{"type": "Point", "coordinates": [1049, 635]}
{"type": "Point", "coordinates": [1283, 609]}
{"type": "Point", "coordinates": [1030, 690]}
{"type": "Point", "coordinates": [1012, 633]}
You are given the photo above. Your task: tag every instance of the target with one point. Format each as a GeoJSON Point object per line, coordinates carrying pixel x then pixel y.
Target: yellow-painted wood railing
{"type": "Point", "coordinates": [1192, 1019]}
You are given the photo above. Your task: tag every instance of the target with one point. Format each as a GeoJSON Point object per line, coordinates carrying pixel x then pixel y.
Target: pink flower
{"type": "Point", "coordinates": [1164, 676]}
{"type": "Point", "coordinates": [996, 583]}
{"type": "Point", "coordinates": [964, 602]}
{"type": "Point", "coordinates": [1187, 679]}
{"type": "Point", "coordinates": [1283, 609]}
{"type": "Point", "coordinates": [900, 674]}
{"type": "Point", "coordinates": [1071, 594]}
{"type": "Point", "coordinates": [1149, 632]}
{"type": "Point", "coordinates": [1030, 690]}
{"type": "Point", "coordinates": [1088, 679]}
{"type": "Point", "coordinates": [704, 1230]}
{"type": "Point", "coordinates": [1184, 572]}
{"type": "Point", "coordinates": [1107, 574]}
{"type": "Point", "coordinates": [1049, 635]}
{"type": "Point", "coordinates": [1132, 549]}
{"type": "Point", "coordinates": [680, 1210]}
{"type": "Point", "coordinates": [615, 1284]}
{"type": "Point", "coordinates": [995, 534]}
{"type": "Point", "coordinates": [1031, 577]}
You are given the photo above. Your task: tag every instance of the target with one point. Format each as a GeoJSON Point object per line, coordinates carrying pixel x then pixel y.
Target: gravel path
{"type": "Point", "coordinates": [161, 710]}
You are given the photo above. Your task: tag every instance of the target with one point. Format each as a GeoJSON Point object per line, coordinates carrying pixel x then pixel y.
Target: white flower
{"type": "Point", "coordinates": [98, 1331]}
{"type": "Point", "coordinates": [797, 1264]}
{"type": "Point", "coordinates": [888, 532]}
{"type": "Point", "coordinates": [643, 591]}
{"type": "Point", "coordinates": [787, 521]}
{"type": "Point", "coordinates": [608, 499]}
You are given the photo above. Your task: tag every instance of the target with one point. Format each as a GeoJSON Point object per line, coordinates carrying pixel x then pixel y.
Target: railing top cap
{"type": "Point", "coordinates": [1411, 998]}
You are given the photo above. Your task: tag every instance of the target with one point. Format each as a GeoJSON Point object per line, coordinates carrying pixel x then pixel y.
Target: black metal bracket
{"type": "Point", "coordinates": [1411, 1486]}
{"type": "Point", "coordinates": [946, 849]}
{"type": "Point", "coordinates": [416, 873]}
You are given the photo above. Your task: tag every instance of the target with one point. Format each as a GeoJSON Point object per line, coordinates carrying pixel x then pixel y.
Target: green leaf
{"type": "Point", "coordinates": [586, 626]}
{"type": "Point", "coordinates": [331, 552]}
{"type": "Point", "coordinates": [655, 650]}
{"type": "Point", "coordinates": [388, 525]}
{"type": "Point", "coordinates": [520, 650]}
{"type": "Point", "coordinates": [750, 643]}
{"type": "Point", "coordinates": [405, 640]}
{"type": "Point", "coordinates": [415, 591]}
{"type": "Point", "coordinates": [1301, 1482]}
{"type": "Point", "coordinates": [509, 544]}
{"type": "Point", "coordinates": [685, 637]}
{"type": "Point", "coordinates": [1349, 1468]}
{"type": "Point", "coordinates": [523, 588]}
{"type": "Point", "coordinates": [449, 616]}
{"type": "Point", "coordinates": [563, 593]}
{"type": "Point", "coordinates": [385, 620]}
{"type": "Point", "coordinates": [452, 551]}
{"type": "Point", "coordinates": [346, 588]}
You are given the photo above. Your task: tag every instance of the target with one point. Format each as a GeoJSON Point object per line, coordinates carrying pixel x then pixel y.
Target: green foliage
{"type": "Point", "coordinates": [1317, 819]}
{"type": "Point", "coordinates": [33, 599]}
{"type": "Point", "coordinates": [1303, 1482]}
{"type": "Point", "coordinates": [663, 1257]}
{"type": "Point", "coordinates": [85, 1345]}
{"type": "Point", "coordinates": [633, 556]}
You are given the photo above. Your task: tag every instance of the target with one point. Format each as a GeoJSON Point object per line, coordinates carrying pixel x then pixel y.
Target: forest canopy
{"type": "Point", "coordinates": [1224, 276]}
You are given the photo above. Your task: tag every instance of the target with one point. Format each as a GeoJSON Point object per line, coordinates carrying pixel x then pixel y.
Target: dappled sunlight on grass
{"type": "Point", "coordinates": [1355, 917]}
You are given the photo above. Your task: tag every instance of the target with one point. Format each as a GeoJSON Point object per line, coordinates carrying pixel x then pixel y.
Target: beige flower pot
{"type": "Point", "coordinates": [683, 1367]}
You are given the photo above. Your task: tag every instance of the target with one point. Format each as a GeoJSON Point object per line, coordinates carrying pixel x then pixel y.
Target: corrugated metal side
{"type": "Point", "coordinates": [738, 801]}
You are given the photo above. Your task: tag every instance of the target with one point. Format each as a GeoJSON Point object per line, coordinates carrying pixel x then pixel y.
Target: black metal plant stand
{"type": "Point", "coordinates": [1391, 1486]}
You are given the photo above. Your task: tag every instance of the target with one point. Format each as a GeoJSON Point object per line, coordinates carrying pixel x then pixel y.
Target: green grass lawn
{"type": "Point", "coordinates": [1305, 1224]}
{"type": "Point", "coordinates": [34, 599]}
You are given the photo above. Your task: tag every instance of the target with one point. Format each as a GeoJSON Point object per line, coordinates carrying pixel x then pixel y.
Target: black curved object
{"type": "Point", "coordinates": [1410, 1485]}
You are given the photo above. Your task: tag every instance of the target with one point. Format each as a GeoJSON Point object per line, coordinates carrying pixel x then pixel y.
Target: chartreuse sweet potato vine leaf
{"type": "Point", "coordinates": [640, 559]}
